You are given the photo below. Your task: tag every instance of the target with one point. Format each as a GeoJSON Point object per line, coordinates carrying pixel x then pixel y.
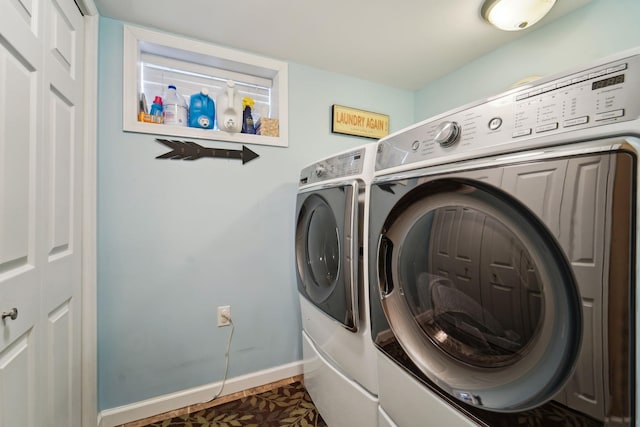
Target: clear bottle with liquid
{"type": "Point", "coordinates": [175, 110]}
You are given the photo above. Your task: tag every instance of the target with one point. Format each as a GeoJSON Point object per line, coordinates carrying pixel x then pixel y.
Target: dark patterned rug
{"type": "Point", "coordinates": [289, 405]}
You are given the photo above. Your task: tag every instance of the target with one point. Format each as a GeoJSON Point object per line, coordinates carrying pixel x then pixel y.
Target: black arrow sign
{"type": "Point", "coordinates": [187, 150]}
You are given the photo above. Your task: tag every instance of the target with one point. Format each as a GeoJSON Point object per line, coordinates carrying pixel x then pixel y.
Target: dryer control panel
{"type": "Point", "coordinates": [342, 165]}
{"type": "Point", "coordinates": [602, 100]}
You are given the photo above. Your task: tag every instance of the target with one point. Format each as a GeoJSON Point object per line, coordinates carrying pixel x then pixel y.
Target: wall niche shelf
{"type": "Point", "coordinates": [153, 60]}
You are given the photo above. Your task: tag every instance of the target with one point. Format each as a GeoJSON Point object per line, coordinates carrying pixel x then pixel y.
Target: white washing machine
{"type": "Point", "coordinates": [340, 370]}
{"type": "Point", "coordinates": [503, 257]}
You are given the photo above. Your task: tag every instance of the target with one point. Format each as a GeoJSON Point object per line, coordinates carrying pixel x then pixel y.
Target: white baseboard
{"type": "Point", "coordinates": [170, 402]}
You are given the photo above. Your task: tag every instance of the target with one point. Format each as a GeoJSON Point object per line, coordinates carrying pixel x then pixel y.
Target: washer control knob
{"type": "Point", "coordinates": [320, 170]}
{"type": "Point", "coordinates": [447, 133]}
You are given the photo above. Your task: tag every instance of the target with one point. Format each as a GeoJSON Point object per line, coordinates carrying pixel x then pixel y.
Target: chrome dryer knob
{"type": "Point", "coordinates": [447, 133]}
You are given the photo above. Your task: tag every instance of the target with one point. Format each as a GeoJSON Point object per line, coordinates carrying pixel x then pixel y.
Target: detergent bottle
{"type": "Point", "coordinates": [156, 107]}
{"type": "Point", "coordinates": [201, 110]}
{"type": "Point", "coordinates": [248, 125]}
{"type": "Point", "coordinates": [229, 111]}
{"type": "Point", "coordinates": [175, 108]}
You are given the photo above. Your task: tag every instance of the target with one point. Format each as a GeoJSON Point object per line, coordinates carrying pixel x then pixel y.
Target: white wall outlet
{"type": "Point", "coordinates": [224, 315]}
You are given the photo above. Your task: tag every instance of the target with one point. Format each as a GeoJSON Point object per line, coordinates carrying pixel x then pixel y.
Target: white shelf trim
{"type": "Point", "coordinates": [215, 56]}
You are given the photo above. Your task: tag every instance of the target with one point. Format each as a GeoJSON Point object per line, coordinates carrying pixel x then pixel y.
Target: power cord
{"type": "Point", "coordinates": [226, 368]}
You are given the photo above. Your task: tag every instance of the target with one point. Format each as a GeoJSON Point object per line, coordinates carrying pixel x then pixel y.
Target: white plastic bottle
{"type": "Point", "coordinates": [174, 108]}
{"type": "Point", "coordinates": [229, 109]}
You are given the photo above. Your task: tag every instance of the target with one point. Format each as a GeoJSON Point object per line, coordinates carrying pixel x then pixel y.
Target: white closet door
{"type": "Point", "coordinates": [41, 82]}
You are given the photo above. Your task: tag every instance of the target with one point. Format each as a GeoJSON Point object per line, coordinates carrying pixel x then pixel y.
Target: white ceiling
{"type": "Point", "coordinates": [403, 43]}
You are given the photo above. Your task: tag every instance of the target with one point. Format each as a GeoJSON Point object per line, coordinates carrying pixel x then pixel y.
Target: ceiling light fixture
{"type": "Point", "coordinates": [514, 15]}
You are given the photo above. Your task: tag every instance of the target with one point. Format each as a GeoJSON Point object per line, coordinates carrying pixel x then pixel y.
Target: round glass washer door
{"type": "Point", "coordinates": [479, 295]}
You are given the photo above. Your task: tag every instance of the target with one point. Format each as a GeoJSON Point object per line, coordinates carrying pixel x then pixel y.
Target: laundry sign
{"type": "Point", "coordinates": [350, 121]}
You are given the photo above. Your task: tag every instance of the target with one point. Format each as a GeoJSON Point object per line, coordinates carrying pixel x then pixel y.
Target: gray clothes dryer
{"type": "Point", "coordinates": [329, 233]}
{"type": "Point", "coordinates": [503, 252]}
{"type": "Point", "coordinates": [338, 356]}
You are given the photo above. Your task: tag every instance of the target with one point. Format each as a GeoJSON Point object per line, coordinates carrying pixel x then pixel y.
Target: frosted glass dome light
{"type": "Point", "coordinates": [514, 15]}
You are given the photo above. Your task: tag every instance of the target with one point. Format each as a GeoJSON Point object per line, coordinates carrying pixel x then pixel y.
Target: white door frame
{"type": "Point", "coordinates": [89, 216]}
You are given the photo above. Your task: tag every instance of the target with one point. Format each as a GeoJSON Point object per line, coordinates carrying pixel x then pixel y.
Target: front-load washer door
{"type": "Point", "coordinates": [327, 250]}
{"type": "Point", "coordinates": [495, 321]}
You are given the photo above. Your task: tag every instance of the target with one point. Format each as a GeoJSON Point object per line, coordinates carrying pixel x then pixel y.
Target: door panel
{"type": "Point", "coordinates": [60, 175]}
{"type": "Point", "coordinates": [18, 157]}
{"type": "Point", "coordinates": [18, 365]}
{"type": "Point", "coordinates": [63, 148]}
{"type": "Point", "coordinates": [62, 383]}
{"type": "Point", "coordinates": [25, 10]}
{"type": "Point", "coordinates": [20, 134]}
{"type": "Point", "coordinates": [63, 40]}
{"type": "Point", "coordinates": [41, 90]}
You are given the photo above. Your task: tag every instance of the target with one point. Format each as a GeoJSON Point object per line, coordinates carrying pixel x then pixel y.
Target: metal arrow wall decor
{"type": "Point", "coordinates": [187, 150]}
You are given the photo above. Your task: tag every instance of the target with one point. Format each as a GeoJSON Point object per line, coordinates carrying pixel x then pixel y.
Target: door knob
{"type": "Point", "coordinates": [12, 314]}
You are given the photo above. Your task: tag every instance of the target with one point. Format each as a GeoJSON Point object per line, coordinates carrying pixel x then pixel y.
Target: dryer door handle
{"type": "Point", "coordinates": [385, 276]}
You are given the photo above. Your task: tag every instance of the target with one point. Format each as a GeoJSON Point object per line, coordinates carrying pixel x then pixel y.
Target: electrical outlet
{"type": "Point", "coordinates": [224, 315]}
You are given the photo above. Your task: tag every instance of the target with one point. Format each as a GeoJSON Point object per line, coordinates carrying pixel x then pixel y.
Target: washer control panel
{"type": "Point", "coordinates": [533, 116]}
{"type": "Point", "coordinates": [341, 165]}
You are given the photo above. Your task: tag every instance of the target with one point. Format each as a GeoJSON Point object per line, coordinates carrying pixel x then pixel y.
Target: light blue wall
{"type": "Point", "coordinates": [598, 29]}
{"type": "Point", "coordinates": [176, 239]}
